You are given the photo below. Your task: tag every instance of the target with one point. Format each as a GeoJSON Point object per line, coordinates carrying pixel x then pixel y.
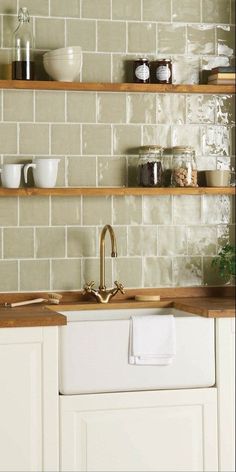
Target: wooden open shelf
{"type": "Point", "coordinates": [109, 191]}
{"type": "Point", "coordinates": [115, 87]}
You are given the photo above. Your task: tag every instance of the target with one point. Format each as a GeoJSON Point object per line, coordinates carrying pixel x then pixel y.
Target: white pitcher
{"type": "Point", "coordinates": [44, 172]}
{"type": "Point", "coordinates": [11, 175]}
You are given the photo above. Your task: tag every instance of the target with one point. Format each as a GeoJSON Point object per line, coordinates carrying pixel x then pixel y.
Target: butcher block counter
{"type": "Point", "coordinates": [215, 302]}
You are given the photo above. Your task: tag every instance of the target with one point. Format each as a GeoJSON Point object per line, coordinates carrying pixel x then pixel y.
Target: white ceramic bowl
{"type": "Point", "coordinates": [71, 50]}
{"type": "Point", "coordinates": [64, 69]}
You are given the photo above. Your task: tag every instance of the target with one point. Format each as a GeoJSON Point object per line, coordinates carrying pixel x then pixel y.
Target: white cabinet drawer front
{"type": "Point", "coordinates": [158, 432]}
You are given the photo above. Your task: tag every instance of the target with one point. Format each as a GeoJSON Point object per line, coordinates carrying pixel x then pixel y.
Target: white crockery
{"type": "Point", "coordinates": [71, 50]}
{"type": "Point", "coordinates": [11, 175]}
{"type": "Point", "coordinates": [44, 172]}
{"type": "Point", "coordinates": [64, 69]}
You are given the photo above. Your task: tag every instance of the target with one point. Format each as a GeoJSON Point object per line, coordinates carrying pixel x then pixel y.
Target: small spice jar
{"type": "Point", "coordinates": [150, 172]}
{"type": "Point", "coordinates": [167, 166]}
{"type": "Point", "coordinates": [184, 171]}
{"type": "Point", "coordinates": [142, 71]}
{"type": "Point", "coordinates": [162, 71]}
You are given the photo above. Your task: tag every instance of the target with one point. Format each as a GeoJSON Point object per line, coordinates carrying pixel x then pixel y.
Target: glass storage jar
{"type": "Point", "coordinates": [23, 48]}
{"type": "Point", "coordinates": [167, 166]}
{"type": "Point", "coordinates": [150, 172]}
{"type": "Point", "coordinates": [184, 171]}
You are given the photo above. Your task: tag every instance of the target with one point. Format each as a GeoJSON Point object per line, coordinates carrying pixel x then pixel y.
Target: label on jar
{"type": "Point", "coordinates": [142, 72]}
{"type": "Point", "coordinates": [163, 73]}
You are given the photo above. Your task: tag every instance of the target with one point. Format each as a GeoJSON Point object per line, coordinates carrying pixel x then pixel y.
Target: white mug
{"type": "Point", "coordinates": [11, 175]}
{"type": "Point", "coordinates": [44, 172]}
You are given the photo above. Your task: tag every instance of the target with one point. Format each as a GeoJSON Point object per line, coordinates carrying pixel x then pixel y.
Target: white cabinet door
{"type": "Point", "coordinates": [225, 378]}
{"type": "Point", "coordinates": [28, 399]}
{"type": "Point", "coordinates": [142, 431]}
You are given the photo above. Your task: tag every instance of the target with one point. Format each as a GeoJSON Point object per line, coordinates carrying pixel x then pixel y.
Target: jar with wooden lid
{"type": "Point", "coordinates": [150, 171]}
{"type": "Point", "coordinates": [184, 170]}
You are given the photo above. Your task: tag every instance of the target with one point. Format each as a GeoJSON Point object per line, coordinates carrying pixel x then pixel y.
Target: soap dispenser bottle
{"type": "Point", "coordinates": [23, 48]}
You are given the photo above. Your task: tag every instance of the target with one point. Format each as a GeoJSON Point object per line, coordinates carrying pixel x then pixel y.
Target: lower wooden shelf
{"type": "Point", "coordinates": [109, 191]}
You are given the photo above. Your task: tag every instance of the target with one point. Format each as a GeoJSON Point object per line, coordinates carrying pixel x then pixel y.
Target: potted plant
{"type": "Point", "coordinates": [226, 262]}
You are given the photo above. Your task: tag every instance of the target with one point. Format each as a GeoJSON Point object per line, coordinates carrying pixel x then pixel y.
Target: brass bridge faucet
{"type": "Point", "coordinates": [102, 295]}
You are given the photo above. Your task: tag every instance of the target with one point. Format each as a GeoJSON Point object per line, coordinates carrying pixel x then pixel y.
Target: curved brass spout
{"type": "Point", "coordinates": [102, 285]}
{"type": "Point", "coordinates": [102, 295]}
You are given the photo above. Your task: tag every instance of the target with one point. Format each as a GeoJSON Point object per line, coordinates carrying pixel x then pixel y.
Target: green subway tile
{"type": "Point", "coordinates": [66, 211]}
{"type": "Point", "coordinates": [141, 108]}
{"type": "Point", "coordinates": [40, 8]}
{"type": "Point", "coordinates": [34, 212]}
{"type": "Point", "coordinates": [157, 10]}
{"type": "Point", "coordinates": [18, 243]}
{"type": "Point", "coordinates": [34, 275]}
{"type": "Point", "coordinates": [66, 9]}
{"type": "Point", "coordinates": [82, 242]}
{"type": "Point", "coordinates": [8, 211]}
{"type": "Point", "coordinates": [186, 11]}
{"type": "Point", "coordinates": [96, 67]}
{"type": "Point", "coordinates": [23, 105]}
{"type": "Point", "coordinates": [94, 214]}
{"type": "Point", "coordinates": [65, 139]}
{"type": "Point", "coordinates": [66, 274]}
{"type": "Point", "coordinates": [129, 271]}
{"type": "Point", "coordinates": [142, 37]}
{"type": "Point", "coordinates": [96, 139]}
{"type": "Point", "coordinates": [96, 9]}
{"type": "Point", "coordinates": [111, 108]}
{"type": "Point", "coordinates": [142, 241]}
{"type": "Point", "coordinates": [171, 39]}
{"type": "Point", "coordinates": [81, 107]}
{"type": "Point", "coordinates": [157, 272]}
{"type": "Point", "coordinates": [187, 271]}
{"type": "Point", "coordinates": [157, 210]}
{"type": "Point", "coordinates": [49, 106]}
{"type": "Point", "coordinates": [216, 11]}
{"type": "Point", "coordinates": [111, 36]}
{"type": "Point", "coordinates": [50, 242]}
{"type": "Point", "coordinates": [49, 33]}
{"type": "Point", "coordinates": [81, 33]}
{"type": "Point", "coordinates": [81, 171]}
{"type": "Point", "coordinates": [8, 276]}
{"type": "Point", "coordinates": [112, 171]}
{"type": "Point", "coordinates": [127, 210]}
{"type": "Point", "coordinates": [172, 240]}
{"type": "Point", "coordinates": [201, 39]}
{"type": "Point", "coordinates": [123, 10]}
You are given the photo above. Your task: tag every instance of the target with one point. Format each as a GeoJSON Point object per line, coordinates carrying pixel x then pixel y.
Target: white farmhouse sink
{"type": "Point", "coordinates": [94, 353]}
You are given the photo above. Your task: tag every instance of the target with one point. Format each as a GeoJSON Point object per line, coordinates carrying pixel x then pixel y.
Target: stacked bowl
{"type": "Point", "coordinates": [63, 64]}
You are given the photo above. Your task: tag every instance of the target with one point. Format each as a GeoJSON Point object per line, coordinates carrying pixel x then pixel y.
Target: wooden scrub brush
{"type": "Point", "coordinates": [53, 298]}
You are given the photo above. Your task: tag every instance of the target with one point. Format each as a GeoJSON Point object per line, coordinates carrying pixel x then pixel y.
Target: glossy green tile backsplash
{"type": "Point", "coordinates": [51, 243]}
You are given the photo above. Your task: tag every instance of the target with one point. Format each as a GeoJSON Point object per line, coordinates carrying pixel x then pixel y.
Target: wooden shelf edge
{"type": "Point", "coordinates": [116, 87]}
{"type": "Point", "coordinates": [109, 191]}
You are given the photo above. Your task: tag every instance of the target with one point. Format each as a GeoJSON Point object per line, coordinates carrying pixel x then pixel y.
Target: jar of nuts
{"type": "Point", "coordinates": [184, 171]}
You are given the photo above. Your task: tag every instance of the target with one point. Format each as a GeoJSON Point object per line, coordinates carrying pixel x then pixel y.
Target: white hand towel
{"type": "Point", "coordinates": [152, 340]}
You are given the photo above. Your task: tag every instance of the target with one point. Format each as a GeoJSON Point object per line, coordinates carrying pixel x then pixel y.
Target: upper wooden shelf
{"type": "Point", "coordinates": [115, 87]}
{"type": "Point", "coordinates": [106, 191]}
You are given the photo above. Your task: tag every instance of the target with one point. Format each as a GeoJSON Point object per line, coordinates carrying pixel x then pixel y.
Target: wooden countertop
{"type": "Point", "coordinates": [45, 315]}
{"type": "Point", "coordinates": [29, 316]}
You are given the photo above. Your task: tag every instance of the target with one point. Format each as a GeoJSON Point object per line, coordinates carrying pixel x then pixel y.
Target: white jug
{"type": "Point", "coordinates": [11, 175]}
{"type": "Point", "coordinates": [44, 172]}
